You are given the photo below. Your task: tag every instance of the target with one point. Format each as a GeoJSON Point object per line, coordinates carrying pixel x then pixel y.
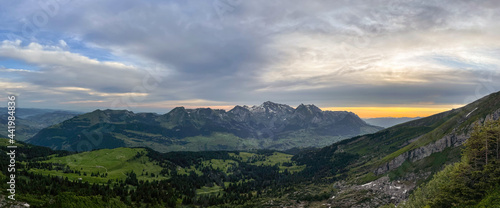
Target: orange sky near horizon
{"type": "Point", "coordinates": [376, 112]}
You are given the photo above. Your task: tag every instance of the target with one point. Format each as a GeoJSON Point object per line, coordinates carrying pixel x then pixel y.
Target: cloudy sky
{"type": "Point", "coordinates": [376, 58]}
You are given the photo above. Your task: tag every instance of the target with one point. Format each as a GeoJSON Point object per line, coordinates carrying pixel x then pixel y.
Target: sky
{"type": "Point", "coordinates": [377, 58]}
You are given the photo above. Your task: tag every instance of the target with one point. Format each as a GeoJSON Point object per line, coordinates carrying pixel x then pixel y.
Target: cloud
{"type": "Point", "coordinates": [63, 43]}
{"type": "Point", "coordinates": [60, 68]}
{"type": "Point", "coordinates": [226, 52]}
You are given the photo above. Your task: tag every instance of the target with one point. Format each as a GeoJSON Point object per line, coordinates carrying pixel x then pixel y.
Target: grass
{"type": "Point", "coordinates": [303, 139]}
{"type": "Point", "coordinates": [243, 156]}
{"type": "Point", "coordinates": [368, 177]}
{"type": "Point", "coordinates": [142, 133]}
{"type": "Point", "coordinates": [5, 142]}
{"type": "Point", "coordinates": [209, 190]}
{"type": "Point", "coordinates": [216, 141]}
{"type": "Point", "coordinates": [456, 119]}
{"type": "Point", "coordinates": [383, 146]}
{"type": "Point", "coordinates": [222, 165]}
{"type": "Point", "coordinates": [114, 162]}
{"type": "Point", "coordinates": [278, 158]}
{"type": "Point", "coordinates": [439, 130]}
{"type": "Point", "coordinates": [117, 162]}
{"type": "Point", "coordinates": [187, 171]}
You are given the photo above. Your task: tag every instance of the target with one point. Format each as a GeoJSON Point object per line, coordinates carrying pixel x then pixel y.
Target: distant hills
{"type": "Point", "coordinates": [30, 121]}
{"type": "Point", "coordinates": [267, 126]}
{"type": "Point", "coordinates": [387, 122]}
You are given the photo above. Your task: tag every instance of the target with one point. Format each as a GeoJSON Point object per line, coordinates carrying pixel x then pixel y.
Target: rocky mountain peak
{"type": "Point", "coordinates": [178, 110]}
{"type": "Point", "coordinates": [270, 107]}
{"type": "Point", "coordinates": [240, 110]}
{"type": "Point", "coordinates": [308, 108]}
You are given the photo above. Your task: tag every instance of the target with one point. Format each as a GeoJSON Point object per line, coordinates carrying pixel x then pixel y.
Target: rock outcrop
{"type": "Point", "coordinates": [453, 139]}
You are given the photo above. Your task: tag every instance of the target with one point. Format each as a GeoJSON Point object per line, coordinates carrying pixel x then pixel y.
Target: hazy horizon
{"type": "Point", "coordinates": [364, 113]}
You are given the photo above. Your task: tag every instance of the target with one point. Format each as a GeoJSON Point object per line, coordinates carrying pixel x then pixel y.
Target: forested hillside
{"type": "Point", "coordinates": [139, 177]}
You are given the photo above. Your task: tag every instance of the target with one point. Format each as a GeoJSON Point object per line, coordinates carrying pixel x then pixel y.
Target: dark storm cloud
{"type": "Point", "coordinates": [238, 52]}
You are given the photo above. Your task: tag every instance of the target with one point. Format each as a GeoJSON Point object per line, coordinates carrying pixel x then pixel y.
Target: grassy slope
{"type": "Point", "coordinates": [386, 145]}
{"type": "Point", "coordinates": [216, 141]}
{"type": "Point", "coordinates": [5, 142]}
{"type": "Point", "coordinates": [115, 162]}
{"type": "Point", "coordinates": [456, 119]}
{"type": "Point", "coordinates": [378, 148]}
{"type": "Point", "coordinates": [226, 141]}
{"type": "Point", "coordinates": [277, 158]}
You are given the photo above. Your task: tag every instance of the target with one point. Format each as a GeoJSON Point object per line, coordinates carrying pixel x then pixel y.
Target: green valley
{"type": "Point", "coordinates": [394, 166]}
{"type": "Point", "coordinates": [112, 175]}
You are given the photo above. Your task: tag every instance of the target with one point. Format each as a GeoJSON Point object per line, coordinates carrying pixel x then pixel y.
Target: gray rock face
{"type": "Point", "coordinates": [453, 139]}
{"type": "Point", "coordinates": [272, 119]}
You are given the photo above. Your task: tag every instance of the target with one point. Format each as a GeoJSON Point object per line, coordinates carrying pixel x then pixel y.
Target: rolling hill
{"type": "Point", "coordinates": [141, 177]}
{"type": "Point", "coordinates": [267, 126]}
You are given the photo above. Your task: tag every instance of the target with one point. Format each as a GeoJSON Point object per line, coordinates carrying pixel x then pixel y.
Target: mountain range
{"type": "Point", "coordinates": [370, 170]}
{"type": "Point", "coordinates": [387, 122]}
{"type": "Point", "coordinates": [267, 126]}
{"type": "Point", "coordinates": [30, 121]}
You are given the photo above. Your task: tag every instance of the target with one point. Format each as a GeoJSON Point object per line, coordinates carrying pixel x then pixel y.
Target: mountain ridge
{"type": "Point", "coordinates": [404, 155]}
{"type": "Point", "coordinates": [30, 121]}
{"type": "Point", "coordinates": [269, 125]}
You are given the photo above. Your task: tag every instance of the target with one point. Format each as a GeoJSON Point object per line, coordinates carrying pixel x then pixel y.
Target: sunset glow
{"type": "Point", "coordinates": [375, 112]}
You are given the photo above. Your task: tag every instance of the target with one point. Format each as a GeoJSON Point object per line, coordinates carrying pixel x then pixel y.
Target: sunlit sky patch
{"type": "Point", "coordinates": [376, 58]}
